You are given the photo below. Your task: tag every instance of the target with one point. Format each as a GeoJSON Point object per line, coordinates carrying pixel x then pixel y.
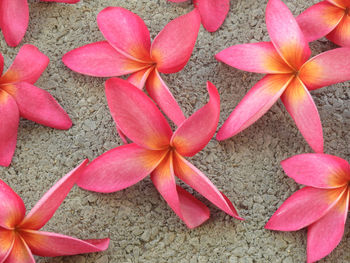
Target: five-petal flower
{"type": "Point", "coordinates": [20, 237]}
{"type": "Point", "coordinates": [290, 75]}
{"type": "Point", "coordinates": [322, 206]}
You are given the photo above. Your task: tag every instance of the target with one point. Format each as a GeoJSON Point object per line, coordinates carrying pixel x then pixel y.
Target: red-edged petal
{"type": "Point", "coordinates": [341, 34]}
{"type": "Point", "coordinates": [302, 108]}
{"type": "Point", "coordinates": [198, 181]}
{"type": "Point", "coordinates": [139, 78]}
{"type": "Point", "coordinates": [196, 131]}
{"type": "Point", "coordinates": [45, 208]}
{"type": "Point", "coordinates": [62, 1]}
{"type": "Point", "coordinates": [47, 244]}
{"type": "Point", "coordinates": [28, 65]}
{"type": "Point", "coordinates": [14, 18]}
{"type": "Point", "coordinates": [303, 208]}
{"type": "Point", "coordinates": [259, 57]}
{"type": "Point", "coordinates": [327, 68]}
{"type": "Point", "coordinates": [255, 104]}
{"type": "Point", "coordinates": [187, 207]}
{"type": "Point", "coordinates": [317, 170]}
{"type": "Point", "coordinates": [9, 118]}
{"type": "Point", "coordinates": [126, 32]}
{"type": "Point", "coordinates": [1, 64]}
{"type": "Point", "coordinates": [286, 35]}
{"type": "Point", "coordinates": [7, 238]}
{"type": "Point", "coordinates": [213, 13]}
{"type": "Point", "coordinates": [119, 168]}
{"type": "Point", "coordinates": [100, 59]}
{"type": "Point", "coordinates": [172, 47]}
{"type": "Point", "coordinates": [20, 252]}
{"type": "Point", "coordinates": [136, 115]}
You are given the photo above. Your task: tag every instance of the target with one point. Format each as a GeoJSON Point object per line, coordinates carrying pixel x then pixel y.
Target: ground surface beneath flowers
{"type": "Point", "coordinates": [246, 168]}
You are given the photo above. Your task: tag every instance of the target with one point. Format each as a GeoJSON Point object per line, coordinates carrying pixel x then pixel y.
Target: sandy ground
{"type": "Point", "coordinates": [246, 168]}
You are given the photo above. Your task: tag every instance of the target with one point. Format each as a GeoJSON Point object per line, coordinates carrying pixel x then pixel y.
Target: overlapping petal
{"type": "Point", "coordinates": [341, 34]}
{"type": "Point", "coordinates": [340, 3]}
{"type": "Point", "coordinates": [7, 238]}
{"type": "Point", "coordinates": [20, 252]}
{"type": "Point", "coordinates": [139, 78]}
{"type": "Point", "coordinates": [213, 13]}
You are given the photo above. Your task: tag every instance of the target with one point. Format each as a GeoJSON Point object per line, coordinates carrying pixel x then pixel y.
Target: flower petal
{"type": "Point", "coordinates": [187, 207]}
{"type": "Point", "coordinates": [136, 115]}
{"type": "Point", "coordinates": [341, 34]}
{"type": "Point", "coordinates": [28, 65]}
{"type": "Point", "coordinates": [119, 168]}
{"type": "Point", "coordinates": [14, 18]}
{"type": "Point", "coordinates": [198, 181]}
{"type": "Point", "coordinates": [7, 238]}
{"type": "Point", "coordinates": [302, 108]}
{"type": "Point", "coordinates": [20, 252]}
{"type": "Point", "coordinates": [317, 170]}
{"type": "Point", "coordinates": [9, 118]}
{"type": "Point", "coordinates": [327, 68]}
{"type": "Point", "coordinates": [47, 244]}
{"type": "Point", "coordinates": [1, 64]}
{"type": "Point", "coordinates": [172, 47]}
{"type": "Point", "coordinates": [45, 208]}
{"type": "Point", "coordinates": [303, 208]}
{"type": "Point", "coordinates": [340, 3]}
{"type": "Point", "coordinates": [126, 32]}
{"type": "Point", "coordinates": [255, 104]}
{"type": "Point", "coordinates": [196, 131]}
{"type": "Point", "coordinates": [213, 13]}
{"type": "Point", "coordinates": [259, 57]}
{"type": "Point", "coordinates": [139, 78]}
{"type": "Point", "coordinates": [286, 35]}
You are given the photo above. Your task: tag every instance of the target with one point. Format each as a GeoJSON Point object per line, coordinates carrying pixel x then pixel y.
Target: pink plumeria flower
{"type": "Point", "coordinates": [329, 18]}
{"type": "Point", "coordinates": [128, 50]}
{"type": "Point", "coordinates": [20, 98]}
{"type": "Point", "coordinates": [158, 151]}
{"type": "Point", "coordinates": [322, 206]}
{"type": "Point", "coordinates": [14, 18]}
{"type": "Point", "coordinates": [212, 12]}
{"type": "Point", "coordinates": [20, 237]}
{"type": "Point", "coordinates": [290, 76]}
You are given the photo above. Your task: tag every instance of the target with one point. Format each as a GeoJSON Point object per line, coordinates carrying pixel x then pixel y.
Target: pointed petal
{"type": "Point", "coordinates": [325, 234]}
{"type": "Point", "coordinates": [259, 57]}
{"type": "Point", "coordinates": [14, 17]}
{"type": "Point", "coordinates": [1, 64]}
{"type": "Point", "coordinates": [160, 93]}
{"type": "Point", "coordinates": [303, 208]}
{"type": "Point", "coordinates": [136, 115]}
{"type": "Point", "coordinates": [327, 68]}
{"type": "Point", "coordinates": [196, 131]}
{"type": "Point", "coordinates": [28, 65]}
{"type": "Point", "coordinates": [45, 208]}
{"type": "Point", "coordinates": [47, 244]}
{"type": "Point", "coordinates": [187, 207]}
{"type": "Point", "coordinates": [9, 118]}
{"type": "Point", "coordinates": [20, 252]}
{"type": "Point", "coordinates": [302, 108]}
{"type": "Point", "coordinates": [100, 59]}
{"type": "Point", "coordinates": [255, 104]}
{"type": "Point", "coordinates": [7, 238]}
{"type": "Point", "coordinates": [317, 170]}
{"type": "Point", "coordinates": [172, 47]}
{"type": "Point", "coordinates": [213, 13]}
{"type": "Point", "coordinates": [139, 78]}
{"type": "Point", "coordinates": [198, 181]}
{"type": "Point", "coordinates": [119, 168]}
{"type": "Point", "coordinates": [285, 34]}
{"type": "Point", "coordinates": [126, 32]}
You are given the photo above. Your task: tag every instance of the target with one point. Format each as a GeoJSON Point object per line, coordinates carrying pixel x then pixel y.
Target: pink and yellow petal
{"type": "Point", "coordinates": [7, 238]}
{"type": "Point", "coordinates": [20, 252]}
{"type": "Point", "coordinates": [340, 3]}
{"type": "Point", "coordinates": [139, 78]}
{"type": "Point", "coordinates": [213, 13]}
{"type": "Point", "coordinates": [341, 34]}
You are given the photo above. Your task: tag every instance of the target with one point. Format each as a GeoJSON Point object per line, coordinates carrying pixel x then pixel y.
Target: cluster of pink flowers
{"type": "Point", "coordinates": [151, 147]}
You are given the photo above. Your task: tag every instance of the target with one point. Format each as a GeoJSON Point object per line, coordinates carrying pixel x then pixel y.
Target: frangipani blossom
{"type": "Point", "coordinates": [159, 152]}
{"type": "Point", "coordinates": [14, 18]}
{"type": "Point", "coordinates": [212, 12]}
{"type": "Point", "coordinates": [290, 76]}
{"type": "Point", "coordinates": [329, 18]}
{"type": "Point", "coordinates": [20, 237]}
{"type": "Point", "coordinates": [322, 206]}
{"type": "Point", "coordinates": [20, 98]}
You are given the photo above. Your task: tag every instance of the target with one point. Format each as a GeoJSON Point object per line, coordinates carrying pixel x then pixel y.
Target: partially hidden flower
{"type": "Point", "coordinates": [322, 206]}
{"type": "Point", "coordinates": [212, 12]}
{"type": "Point", "coordinates": [14, 18]}
{"type": "Point", "coordinates": [20, 237]}
{"type": "Point", "coordinates": [159, 152]}
{"type": "Point", "coordinates": [290, 76]}
{"type": "Point", "coordinates": [329, 18]}
{"type": "Point", "coordinates": [20, 98]}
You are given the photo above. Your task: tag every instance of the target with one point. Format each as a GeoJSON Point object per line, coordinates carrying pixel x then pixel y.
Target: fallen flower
{"type": "Point", "coordinates": [20, 237]}
{"type": "Point", "coordinates": [20, 98]}
{"type": "Point", "coordinates": [329, 18]}
{"type": "Point", "coordinates": [212, 12]}
{"type": "Point", "coordinates": [322, 206]}
{"type": "Point", "coordinates": [290, 75]}
{"type": "Point", "coordinates": [158, 151]}
{"type": "Point", "coordinates": [14, 18]}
